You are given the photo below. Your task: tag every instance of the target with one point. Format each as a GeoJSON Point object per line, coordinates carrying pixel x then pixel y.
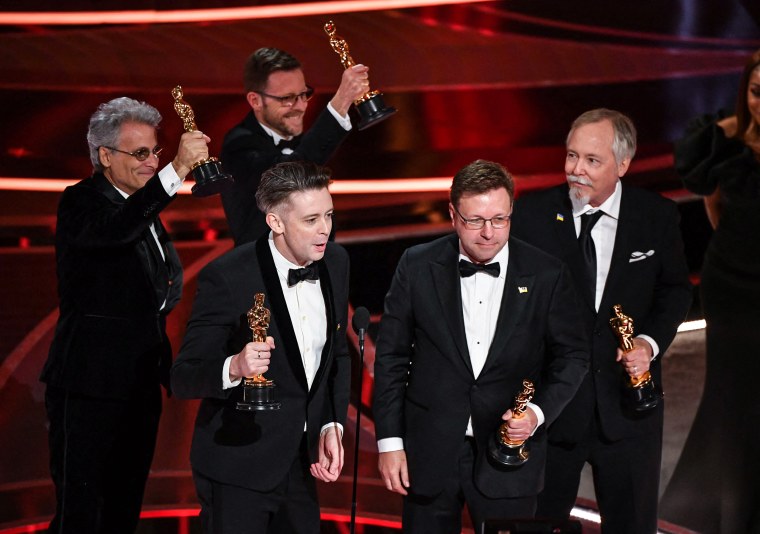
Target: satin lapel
{"type": "Point", "coordinates": [628, 222]}
{"type": "Point", "coordinates": [146, 247]}
{"type": "Point", "coordinates": [280, 309]}
{"type": "Point", "coordinates": [445, 274]}
{"type": "Point", "coordinates": [101, 183]}
{"type": "Point", "coordinates": [327, 352]}
{"type": "Point", "coordinates": [517, 292]}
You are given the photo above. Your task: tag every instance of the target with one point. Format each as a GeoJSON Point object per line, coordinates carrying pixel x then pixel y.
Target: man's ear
{"type": "Point", "coordinates": [104, 156]}
{"type": "Point", "coordinates": [623, 167]}
{"type": "Point", "coordinates": [254, 100]}
{"type": "Point", "coordinates": [275, 223]}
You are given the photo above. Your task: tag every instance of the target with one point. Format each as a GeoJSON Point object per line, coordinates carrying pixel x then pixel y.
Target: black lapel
{"type": "Point", "coordinates": [445, 273]}
{"type": "Point", "coordinates": [628, 223]}
{"type": "Point", "coordinates": [280, 309]}
{"type": "Point", "coordinates": [327, 352]}
{"type": "Point", "coordinates": [518, 288]}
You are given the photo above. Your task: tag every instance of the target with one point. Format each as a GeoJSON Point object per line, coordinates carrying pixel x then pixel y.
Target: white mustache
{"type": "Point", "coordinates": [578, 180]}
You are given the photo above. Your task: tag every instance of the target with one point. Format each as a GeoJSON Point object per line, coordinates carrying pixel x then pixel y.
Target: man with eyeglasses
{"type": "Point", "coordinates": [468, 317]}
{"type": "Point", "coordinates": [118, 277]}
{"type": "Point", "coordinates": [623, 246]}
{"type": "Point", "coordinates": [273, 131]}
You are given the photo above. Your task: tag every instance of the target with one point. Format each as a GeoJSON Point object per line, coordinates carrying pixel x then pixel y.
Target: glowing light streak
{"type": "Point", "coordinates": [66, 18]}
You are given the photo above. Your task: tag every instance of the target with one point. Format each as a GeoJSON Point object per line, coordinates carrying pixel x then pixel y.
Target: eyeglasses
{"type": "Point", "coordinates": [289, 101]}
{"type": "Point", "coordinates": [497, 223]}
{"type": "Point", "coordinates": [141, 153]}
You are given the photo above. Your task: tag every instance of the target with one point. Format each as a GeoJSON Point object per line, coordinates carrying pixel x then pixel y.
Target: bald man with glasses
{"type": "Point", "coordinates": [272, 132]}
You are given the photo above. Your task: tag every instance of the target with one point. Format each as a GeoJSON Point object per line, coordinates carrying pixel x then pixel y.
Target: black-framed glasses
{"type": "Point", "coordinates": [497, 223]}
{"type": "Point", "coordinates": [141, 154]}
{"type": "Point", "coordinates": [289, 101]}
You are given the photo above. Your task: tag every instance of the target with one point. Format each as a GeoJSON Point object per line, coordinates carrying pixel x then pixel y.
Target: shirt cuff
{"type": "Point", "coordinates": [539, 415]}
{"type": "Point", "coordinates": [390, 444]}
{"type": "Point", "coordinates": [170, 180]}
{"type": "Point", "coordinates": [331, 425]}
{"type": "Point", "coordinates": [226, 383]}
{"type": "Point", "coordinates": [345, 122]}
{"type": "Point", "coordinates": [655, 346]}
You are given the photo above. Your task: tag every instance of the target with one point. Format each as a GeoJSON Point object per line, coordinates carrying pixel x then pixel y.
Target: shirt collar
{"type": "Point", "coordinates": [610, 207]}
{"type": "Point", "coordinates": [274, 135]}
{"type": "Point", "coordinates": [281, 263]}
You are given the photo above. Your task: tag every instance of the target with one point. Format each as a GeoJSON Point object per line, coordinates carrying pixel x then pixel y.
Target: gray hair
{"type": "Point", "coordinates": [106, 122]}
{"type": "Point", "coordinates": [624, 142]}
{"type": "Point", "coordinates": [284, 179]}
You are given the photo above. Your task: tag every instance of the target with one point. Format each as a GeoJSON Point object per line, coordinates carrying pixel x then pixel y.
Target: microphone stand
{"type": "Point", "coordinates": [360, 324]}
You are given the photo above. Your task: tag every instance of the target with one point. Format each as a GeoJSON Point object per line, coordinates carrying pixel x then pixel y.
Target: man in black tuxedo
{"type": "Point", "coordinates": [636, 260]}
{"type": "Point", "coordinates": [118, 277]}
{"type": "Point", "coordinates": [255, 471]}
{"type": "Point", "coordinates": [272, 131]}
{"type": "Point", "coordinates": [467, 318]}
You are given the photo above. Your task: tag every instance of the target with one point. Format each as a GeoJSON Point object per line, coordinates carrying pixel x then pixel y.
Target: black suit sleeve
{"type": "Point", "coordinates": [393, 354]}
{"type": "Point", "coordinates": [197, 371]}
{"type": "Point", "coordinates": [672, 291]}
{"type": "Point", "coordinates": [567, 349]}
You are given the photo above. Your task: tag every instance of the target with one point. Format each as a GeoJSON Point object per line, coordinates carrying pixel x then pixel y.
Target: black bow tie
{"type": "Point", "coordinates": [310, 272]}
{"type": "Point", "coordinates": [292, 144]}
{"type": "Point", "coordinates": [468, 269]}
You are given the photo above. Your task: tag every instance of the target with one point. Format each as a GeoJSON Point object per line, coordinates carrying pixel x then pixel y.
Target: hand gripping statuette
{"type": "Point", "coordinates": [640, 393]}
{"type": "Point", "coordinates": [258, 392]}
{"type": "Point", "coordinates": [209, 177]}
{"type": "Point", "coordinates": [503, 450]}
{"type": "Point", "coordinates": [371, 107]}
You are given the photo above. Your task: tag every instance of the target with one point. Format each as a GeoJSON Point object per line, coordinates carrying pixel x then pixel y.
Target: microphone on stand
{"type": "Point", "coordinates": [360, 323]}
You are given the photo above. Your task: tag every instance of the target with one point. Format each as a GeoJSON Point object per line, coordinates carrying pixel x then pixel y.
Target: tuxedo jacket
{"type": "Point", "coordinates": [425, 389]}
{"type": "Point", "coordinates": [248, 151]}
{"type": "Point", "coordinates": [255, 449]}
{"type": "Point", "coordinates": [648, 277]}
{"type": "Point", "coordinates": [110, 339]}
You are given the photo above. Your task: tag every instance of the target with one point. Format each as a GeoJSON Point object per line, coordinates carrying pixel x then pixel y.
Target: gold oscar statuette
{"type": "Point", "coordinates": [503, 450]}
{"type": "Point", "coordinates": [371, 107]}
{"type": "Point", "coordinates": [640, 392]}
{"type": "Point", "coordinates": [209, 177]}
{"type": "Point", "coordinates": [258, 392]}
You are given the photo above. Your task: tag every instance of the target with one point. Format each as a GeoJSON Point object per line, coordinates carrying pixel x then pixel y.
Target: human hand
{"type": "Point", "coordinates": [520, 428]}
{"type": "Point", "coordinates": [393, 471]}
{"type": "Point", "coordinates": [353, 85]}
{"type": "Point", "coordinates": [636, 361]}
{"type": "Point", "coordinates": [193, 147]}
{"type": "Point", "coordinates": [252, 360]}
{"type": "Point", "coordinates": [330, 461]}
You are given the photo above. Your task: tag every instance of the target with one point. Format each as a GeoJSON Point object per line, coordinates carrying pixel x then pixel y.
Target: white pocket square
{"type": "Point", "coordinates": [638, 256]}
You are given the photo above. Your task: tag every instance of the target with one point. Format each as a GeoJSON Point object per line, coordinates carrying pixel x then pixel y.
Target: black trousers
{"type": "Point", "coordinates": [626, 480]}
{"type": "Point", "coordinates": [100, 456]}
{"type": "Point", "coordinates": [442, 514]}
{"type": "Point", "coordinates": [291, 507]}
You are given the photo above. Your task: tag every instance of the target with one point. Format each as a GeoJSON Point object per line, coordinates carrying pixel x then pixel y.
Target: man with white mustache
{"type": "Point", "coordinates": [273, 132]}
{"type": "Point", "coordinates": [636, 260]}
